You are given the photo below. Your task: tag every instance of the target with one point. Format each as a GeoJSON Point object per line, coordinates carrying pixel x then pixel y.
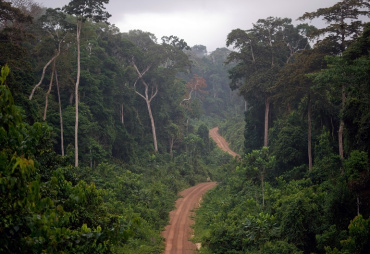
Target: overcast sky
{"type": "Point", "coordinates": [205, 22]}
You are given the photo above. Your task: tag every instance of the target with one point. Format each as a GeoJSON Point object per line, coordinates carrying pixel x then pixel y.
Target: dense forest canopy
{"type": "Point", "coordinates": [100, 129]}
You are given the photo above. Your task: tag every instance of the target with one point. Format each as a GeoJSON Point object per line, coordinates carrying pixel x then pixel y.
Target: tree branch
{"type": "Point", "coordinates": [43, 71]}
{"type": "Point", "coordinates": [155, 93]}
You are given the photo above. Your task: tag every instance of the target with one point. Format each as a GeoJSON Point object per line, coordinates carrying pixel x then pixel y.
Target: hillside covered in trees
{"type": "Point", "coordinates": [100, 129]}
{"type": "Point", "coordinates": [303, 184]}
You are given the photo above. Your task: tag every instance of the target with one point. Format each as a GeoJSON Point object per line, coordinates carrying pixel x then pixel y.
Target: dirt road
{"type": "Point", "coordinates": [221, 142]}
{"type": "Point", "coordinates": [178, 232]}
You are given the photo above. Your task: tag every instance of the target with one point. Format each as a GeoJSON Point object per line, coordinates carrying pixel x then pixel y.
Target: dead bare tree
{"type": "Point", "coordinates": [196, 84]}
{"type": "Point", "coordinates": [148, 99]}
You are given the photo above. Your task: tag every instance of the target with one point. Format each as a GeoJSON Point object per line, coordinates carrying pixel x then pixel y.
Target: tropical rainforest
{"type": "Point", "coordinates": [100, 129]}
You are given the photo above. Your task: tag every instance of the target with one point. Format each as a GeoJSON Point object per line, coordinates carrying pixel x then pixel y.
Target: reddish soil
{"type": "Point", "coordinates": [221, 142]}
{"type": "Point", "coordinates": [178, 232]}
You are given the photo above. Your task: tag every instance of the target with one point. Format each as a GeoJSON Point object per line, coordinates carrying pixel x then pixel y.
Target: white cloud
{"type": "Point", "coordinates": [195, 27]}
{"type": "Point", "coordinates": [206, 22]}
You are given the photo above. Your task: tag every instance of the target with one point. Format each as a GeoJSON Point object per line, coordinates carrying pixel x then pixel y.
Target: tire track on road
{"type": "Point", "coordinates": [221, 142]}
{"type": "Point", "coordinates": [178, 232]}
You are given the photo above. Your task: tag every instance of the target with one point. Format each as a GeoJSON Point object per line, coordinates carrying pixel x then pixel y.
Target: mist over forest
{"type": "Point", "coordinates": [101, 129]}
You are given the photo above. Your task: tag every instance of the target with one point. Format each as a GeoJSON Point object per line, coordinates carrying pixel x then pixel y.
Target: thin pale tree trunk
{"type": "Point", "coordinates": [341, 126]}
{"type": "Point", "coordinates": [79, 24]}
{"type": "Point", "coordinates": [172, 141]}
{"type": "Point", "coordinates": [267, 111]}
{"type": "Point", "coordinates": [263, 189]}
{"type": "Point", "coordinates": [147, 100]}
{"type": "Point", "coordinates": [340, 138]}
{"type": "Point", "coordinates": [358, 203]}
{"type": "Point", "coordinates": [309, 135]}
{"type": "Point", "coordinates": [43, 72]}
{"type": "Point", "coordinates": [122, 118]}
{"type": "Point", "coordinates": [48, 92]}
{"type": "Point", "coordinates": [153, 125]}
{"type": "Point", "coordinates": [60, 114]}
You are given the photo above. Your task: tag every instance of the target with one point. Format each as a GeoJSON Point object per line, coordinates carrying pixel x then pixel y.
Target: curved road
{"type": "Point", "coordinates": [178, 232]}
{"type": "Point", "coordinates": [221, 142]}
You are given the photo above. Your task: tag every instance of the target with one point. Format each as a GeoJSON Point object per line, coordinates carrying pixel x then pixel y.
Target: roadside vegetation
{"type": "Point", "coordinates": [302, 185]}
{"type": "Point", "coordinates": [100, 129]}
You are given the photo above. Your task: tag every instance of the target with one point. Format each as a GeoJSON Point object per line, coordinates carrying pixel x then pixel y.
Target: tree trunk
{"type": "Point", "coordinates": [60, 115]}
{"type": "Point", "coordinates": [147, 100]}
{"type": "Point", "coordinates": [153, 126]}
{"type": "Point", "coordinates": [340, 138]}
{"type": "Point", "coordinates": [341, 126]}
{"type": "Point", "coordinates": [172, 141]}
{"type": "Point", "coordinates": [122, 119]}
{"type": "Point", "coordinates": [79, 24]}
{"type": "Point", "coordinates": [263, 189]}
{"type": "Point", "coordinates": [267, 111]}
{"type": "Point", "coordinates": [48, 92]}
{"type": "Point", "coordinates": [91, 160]}
{"type": "Point", "coordinates": [309, 136]}
{"type": "Point", "coordinates": [43, 72]}
{"type": "Point", "coordinates": [358, 203]}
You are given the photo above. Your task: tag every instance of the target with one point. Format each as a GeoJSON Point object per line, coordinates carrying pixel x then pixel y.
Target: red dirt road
{"type": "Point", "coordinates": [221, 142]}
{"type": "Point", "coordinates": [178, 232]}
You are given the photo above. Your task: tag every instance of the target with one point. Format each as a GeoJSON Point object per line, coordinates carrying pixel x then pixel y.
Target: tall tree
{"type": "Point", "coordinates": [160, 63]}
{"type": "Point", "coordinates": [293, 86]}
{"type": "Point", "coordinates": [262, 51]}
{"type": "Point", "coordinates": [83, 10]}
{"type": "Point", "coordinates": [53, 24]}
{"type": "Point", "coordinates": [259, 162]}
{"type": "Point", "coordinates": [12, 17]}
{"type": "Point", "coordinates": [148, 98]}
{"type": "Point", "coordinates": [357, 114]}
{"type": "Point", "coordinates": [343, 27]}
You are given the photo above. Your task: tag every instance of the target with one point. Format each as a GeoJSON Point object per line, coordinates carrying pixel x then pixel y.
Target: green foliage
{"type": "Point", "coordinates": [358, 238]}
{"type": "Point", "coordinates": [203, 133]}
{"type": "Point", "coordinates": [232, 130]}
{"type": "Point", "coordinates": [84, 10]}
{"type": "Point", "coordinates": [305, 208]}
{"type": "Point", "coordinates": [52, 215]}
{"type": "Point", "coordinates": [217, 101]}
{"type": "Point", "coordinates": [309, 210]}
{"type": "Point", "coordinates": [356, 163]}
{"type": "Point", "coordinates": [253, 132]}
{"type": "Point", "coordinates": [277, 247]}
{"type": "Point", "coordinates": [326, 161]}
{"type": "Point", "coordinates": [260, 228]}
{"type": "Point", "coordinates": [288, 142]}
{"type": "Point", "coordinates": [330, 237]}
{"type": "Point", "coordinates": [343, 25]}
{"type": "Point", "coordinates": [298, 216]}
{"type": "Point", "coordinates": [118, 200]}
